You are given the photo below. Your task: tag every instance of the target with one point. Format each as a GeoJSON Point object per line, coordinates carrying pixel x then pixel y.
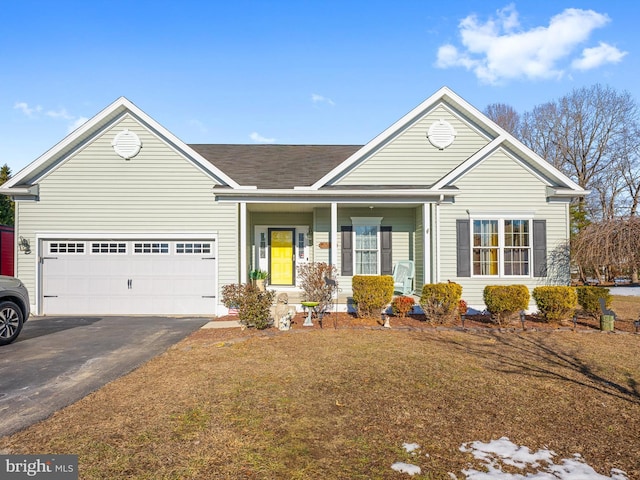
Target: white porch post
{"type": "Point", "coordinates": [243, 242]}
{"type": "Point", "coordinates": [426, 243]}
{"type": "Point", "coordinates": [436, 240]}
{"type": "Point", "coordinates": [334, 235]}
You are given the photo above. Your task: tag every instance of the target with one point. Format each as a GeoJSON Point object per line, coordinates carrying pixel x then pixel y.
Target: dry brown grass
{"type": "Point", "coordinates": [339, 403]}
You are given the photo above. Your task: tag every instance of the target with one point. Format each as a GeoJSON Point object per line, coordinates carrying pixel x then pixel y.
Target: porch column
{"type": "Point", "coordinates": [436, 241]}
{"type": "Point", "coordinates": [333, 240]}
{"type": "Point", "coordinates": [426, 243]}
{"type": "Point", "coordinates": [243, 242]}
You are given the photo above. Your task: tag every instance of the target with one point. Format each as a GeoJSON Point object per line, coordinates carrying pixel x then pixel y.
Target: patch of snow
{"type": "Point", "coordinates": [625, 291]}
{"type": "Point", "coordinates": [497, 453]}
{"type": "Point", "coordinates": [508, 452]}
{"type": "Point", "coordinates": [410, 447]}
{"type": "Point", "coordinates": [406, 468]}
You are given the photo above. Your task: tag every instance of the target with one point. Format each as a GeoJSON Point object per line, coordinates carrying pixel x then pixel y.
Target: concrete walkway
{"type": "Point", "coordinates": [223, 324]}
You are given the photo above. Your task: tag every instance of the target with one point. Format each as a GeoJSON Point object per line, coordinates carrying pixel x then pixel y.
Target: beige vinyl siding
{"type": "Point", "coordinates": [158, 191]}
{"type": "Point", "coordinates": [409, 159]}
{"type": "Point", "coordinates": [321, 234]}
{"type": "Point", "coordinates": [499, 185]}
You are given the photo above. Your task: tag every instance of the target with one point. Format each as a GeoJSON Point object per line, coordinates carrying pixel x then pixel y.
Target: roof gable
{"type": "Point", "coordinates": [409, 158]}
{"type": "Point", "coordinates": [55, 156]}
{"type": "Point", "coordinates": [497, 136]}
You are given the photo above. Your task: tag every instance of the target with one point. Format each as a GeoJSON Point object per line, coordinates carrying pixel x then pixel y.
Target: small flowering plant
{"type": "Point", "coordinates": [462, 307]}
{"type": "Point", "coordinates": [402, 305]}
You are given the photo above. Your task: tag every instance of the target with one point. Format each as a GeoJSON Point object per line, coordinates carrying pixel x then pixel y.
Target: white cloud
{"type": "Point", "coordinates": [499, 49]}
{"type": "Point", "coordinates": [256, 137]}
{"type": "Point", "coordinates": [26, 109]}
{"type": "Point", "coordinates": [315, 98]}
{"type": "Point", "coordinates": [60, 114]}
{"type": "Point", "coordinates": [597, 56]}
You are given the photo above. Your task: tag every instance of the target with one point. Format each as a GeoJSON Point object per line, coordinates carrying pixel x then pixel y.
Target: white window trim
{"type": "Point", "coordinates": [367, 222]}
{"type": "Point", "coordinates": [501, 243]}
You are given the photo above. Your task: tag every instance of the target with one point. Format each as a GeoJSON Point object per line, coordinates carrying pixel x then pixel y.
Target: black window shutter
{"type": "Point", "coordinates": [463, 248]}
{"type": "Point", "coordinates": [539, 248]}
{"type": "Point", "coordinates": [386, 258]}
{"type": "Point", "coordinates": [346, 253]}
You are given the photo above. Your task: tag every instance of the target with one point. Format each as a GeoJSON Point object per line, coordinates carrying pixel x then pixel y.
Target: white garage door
{"type": "Point", "coordinates": [142, 277]}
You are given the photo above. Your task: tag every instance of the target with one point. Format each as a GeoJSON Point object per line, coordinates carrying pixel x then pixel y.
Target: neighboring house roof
{"type": "Point", "coordinates": [275, 166]}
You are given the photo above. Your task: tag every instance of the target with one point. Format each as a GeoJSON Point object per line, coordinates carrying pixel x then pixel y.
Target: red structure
{"type": "Point", "coordinates": [6, 250]}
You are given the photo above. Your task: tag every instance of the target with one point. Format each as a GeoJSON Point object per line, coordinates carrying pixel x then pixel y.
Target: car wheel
{"type": "Point", "coordinates": [10, 322]}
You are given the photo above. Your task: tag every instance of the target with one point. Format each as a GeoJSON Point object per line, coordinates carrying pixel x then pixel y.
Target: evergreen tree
{"type": "Point", "coordinates": [7, 206]}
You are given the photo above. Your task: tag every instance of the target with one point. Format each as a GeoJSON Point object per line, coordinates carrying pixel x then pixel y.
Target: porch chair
{"type": "Point", "coordinates": [403, 273]}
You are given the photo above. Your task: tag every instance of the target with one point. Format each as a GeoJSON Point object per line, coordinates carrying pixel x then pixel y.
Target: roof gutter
{"type": "Point", "coordinates": [21, 193]}
{"type": "Point", "coordinates": [352, 195]}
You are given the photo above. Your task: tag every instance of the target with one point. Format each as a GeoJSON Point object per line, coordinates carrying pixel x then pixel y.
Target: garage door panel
{"type": "Point", "coordinates": [130, 277]}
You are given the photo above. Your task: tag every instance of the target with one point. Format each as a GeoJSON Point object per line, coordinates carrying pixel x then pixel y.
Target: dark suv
{"type": "Point", "coordinates": [14, 308]}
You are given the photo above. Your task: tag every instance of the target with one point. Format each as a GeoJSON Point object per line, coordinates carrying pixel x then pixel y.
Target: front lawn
{"type": "Point", "coordinates": [340, 404]}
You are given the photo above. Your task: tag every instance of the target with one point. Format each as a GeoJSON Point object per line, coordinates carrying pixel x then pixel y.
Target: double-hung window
{"type": "Point", "coordinates": [366, 243]}
{"type": "Point", "coordinates": [366, 249]}
{"type": "Point", "coordinates": [501, 247]}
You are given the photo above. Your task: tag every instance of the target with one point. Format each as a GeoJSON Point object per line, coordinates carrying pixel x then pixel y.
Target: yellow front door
{"type": "Point", "coordinates": [281, 263]}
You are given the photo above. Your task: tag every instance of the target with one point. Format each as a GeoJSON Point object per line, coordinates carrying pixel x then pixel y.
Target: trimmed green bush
{"type": "Point", "coordinates": [505, 301]}
{"type": "Point", "coordinates": [253, 304]}
{"type": "Point", "coordinates": [589, 299]}
{"type": "Point", "coordinates": [555, 303]}
{"type": "Point", "coordinates": [440, 301]}
{"type": "Point", "coordinates": [372, 293]}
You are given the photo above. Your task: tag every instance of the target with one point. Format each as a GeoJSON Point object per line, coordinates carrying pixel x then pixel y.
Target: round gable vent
{"type": "Point", "coordinates": [126, 144]}
{"type": "Point", "coordinates": [441, 134]}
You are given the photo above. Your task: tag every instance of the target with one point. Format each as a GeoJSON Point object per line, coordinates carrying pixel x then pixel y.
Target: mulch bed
{"type": "Point", "coordinates": [343, 320]}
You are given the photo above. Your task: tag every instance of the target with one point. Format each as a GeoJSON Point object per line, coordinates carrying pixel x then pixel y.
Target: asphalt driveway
{"type": "Point", "coordinates": [58, 360]}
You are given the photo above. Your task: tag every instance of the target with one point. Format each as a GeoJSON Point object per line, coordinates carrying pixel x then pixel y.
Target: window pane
{"type": "Point", "coordinates": [485, 233]}
{"type": "Point", "coordinates": [516, 261]}
{"type": "Point", "coordinates": [485, 261]}
{"type": "Point", "coordinates": [516, 233]}
{"type": "Point", "coordinates": [366, 249]}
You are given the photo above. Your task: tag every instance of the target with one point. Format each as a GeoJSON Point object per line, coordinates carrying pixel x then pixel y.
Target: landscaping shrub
{"type": "Point", "coordinates": [505, 301]}
{"type": "Point", "coordinates": [253, 304]}
{"type": "Point", "coordinates": [589, 299]}
{"type": "Point", "coordinates": [311, 279]}
{"type": "Point", "coordinates": [402, 305]}
{"type": "Point", "coordinates": [372, 293]}
{"type": "Point", "coordinates": [462, 307]}
{"type": "Point", "coordinates": [555, 303]}
{"type": "Point", "coordinates": [440, 301]}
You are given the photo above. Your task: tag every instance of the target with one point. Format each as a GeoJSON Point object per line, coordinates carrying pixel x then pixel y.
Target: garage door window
{"type": "Point", "coordinates": [151, 248]}
{"type": "Point", "coordinates": [195, 248]}
{"type": "Point", "coordinates": [66, 247]}
{"type": "Point", "coordinates": [109, 247]}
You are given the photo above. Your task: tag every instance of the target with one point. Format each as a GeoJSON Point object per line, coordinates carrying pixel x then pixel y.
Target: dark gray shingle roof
{"type": "Point", "coordinates": [275, 166]}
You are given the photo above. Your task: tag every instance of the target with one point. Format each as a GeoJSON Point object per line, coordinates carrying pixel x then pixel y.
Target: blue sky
{"type": "Point", "coordinates": [303, 72]}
